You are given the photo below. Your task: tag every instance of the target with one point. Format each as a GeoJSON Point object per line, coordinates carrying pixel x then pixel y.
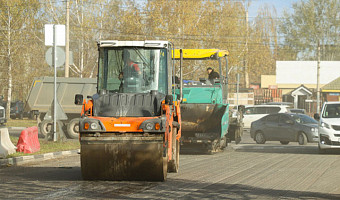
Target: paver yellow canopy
{"type": "Point", "coordinates": [200, 54]}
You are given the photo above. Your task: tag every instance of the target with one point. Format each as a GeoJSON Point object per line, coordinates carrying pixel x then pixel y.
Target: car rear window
{"type": "Point", "coordinates": [271, 110]}
{"type": "Point", "coordinates": [249, 110]}
{"type": "Point", "coordinates": [261, 110]}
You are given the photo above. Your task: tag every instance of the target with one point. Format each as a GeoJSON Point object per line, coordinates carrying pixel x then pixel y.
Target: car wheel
{"type": "Point", "coordinates": [284, 142]}
{"type": "Point", "coordinates": [302, 139]}
{"type": "Point", "coordinates": [259, 138]}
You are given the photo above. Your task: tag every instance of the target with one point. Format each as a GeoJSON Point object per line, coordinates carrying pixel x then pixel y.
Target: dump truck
{"type": "Point", "coordinates": [206, 120]}
{"type": "Point", "coordinates": [39, 102]}
{"type": "Point", "coordinates": [130, 129]}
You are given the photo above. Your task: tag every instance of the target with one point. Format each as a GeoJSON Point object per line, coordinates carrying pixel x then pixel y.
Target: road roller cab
{"type": "Point", "coordinates": [130, 129]}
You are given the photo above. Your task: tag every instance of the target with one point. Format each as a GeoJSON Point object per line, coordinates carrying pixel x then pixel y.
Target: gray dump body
{"type": "Point", "coordinates": [41, 95]}
{"type": "Point", "coordinates": [40, 99]}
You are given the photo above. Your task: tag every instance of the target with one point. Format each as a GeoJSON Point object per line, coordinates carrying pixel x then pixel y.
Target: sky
{"type": "Point", "coordinates": [280, 6]}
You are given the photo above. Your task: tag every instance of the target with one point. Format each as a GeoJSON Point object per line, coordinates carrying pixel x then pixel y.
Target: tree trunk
{"type": "Point", "coordinates": [9, 58]}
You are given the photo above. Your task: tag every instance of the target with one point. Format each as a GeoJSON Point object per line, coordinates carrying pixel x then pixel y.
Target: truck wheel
{"type": "Point", "coordinates": [73, 128]}
{"type": "Point", "coordinates": [46, 127]}
{"type": "Point", "coordinates": [173, 164]}
{"type": "Point", "coordinates": [284, 142]}
{"type": "Point", "coordinates": [302, 139]}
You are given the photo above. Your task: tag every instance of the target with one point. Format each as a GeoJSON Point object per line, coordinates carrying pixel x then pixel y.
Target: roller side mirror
{"type": "Point", "coordinates": [78, 99]}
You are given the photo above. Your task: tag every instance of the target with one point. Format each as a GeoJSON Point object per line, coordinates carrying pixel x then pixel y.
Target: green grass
{"type": "Point", "coordinates": [21, 123]}
{"type": "Point", "coordinates": [47, 146]}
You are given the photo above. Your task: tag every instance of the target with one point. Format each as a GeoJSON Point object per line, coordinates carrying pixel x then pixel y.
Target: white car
{"type": "Point", "coordinates": [253, 113]}
{"type": "Point", "coordinates": [329, 126]}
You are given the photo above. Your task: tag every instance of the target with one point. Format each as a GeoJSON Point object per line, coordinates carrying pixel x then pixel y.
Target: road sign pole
{"type": "Point", "coordinates": [55, 85]}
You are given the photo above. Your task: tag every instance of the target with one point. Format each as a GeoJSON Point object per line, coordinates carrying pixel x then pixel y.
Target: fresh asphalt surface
{"type": "Point", "coordinates": [244, 171]}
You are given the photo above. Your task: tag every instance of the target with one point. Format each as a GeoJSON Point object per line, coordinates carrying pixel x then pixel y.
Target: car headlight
{"type": "Point", "coordinates": [149, 126]}
{"type": "Point", "coordinates": [314, 129]}
{"type": "Point", "coordinates": [325, 125]}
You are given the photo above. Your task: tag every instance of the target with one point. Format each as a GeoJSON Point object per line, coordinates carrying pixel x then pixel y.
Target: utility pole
{"type": "Point", "coordinates": [67, 46]}
{"type": "Point", "coordinates": [246, 75]}
{"type": "Point", "coordinates": [318, 81]}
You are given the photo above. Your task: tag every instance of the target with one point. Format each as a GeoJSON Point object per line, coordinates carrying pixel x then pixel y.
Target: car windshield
{"type": "Point", "coordinates": [304, 119]}
{"type": "Point", "coordinates": [132, 70]}
{"type": "Point", "coordinates": [331, 111]}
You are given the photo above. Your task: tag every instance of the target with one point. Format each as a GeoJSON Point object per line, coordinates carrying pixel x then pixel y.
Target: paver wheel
{"type": "Point", "coordinates": [259, 138]}
{"type": "Point", "coordinates": [284, 142]}
{"type": "Point", "coordinates": [302, 139]}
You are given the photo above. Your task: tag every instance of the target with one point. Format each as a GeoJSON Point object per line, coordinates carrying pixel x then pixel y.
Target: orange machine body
{"type": "Point", "coordinates": [122, 125]}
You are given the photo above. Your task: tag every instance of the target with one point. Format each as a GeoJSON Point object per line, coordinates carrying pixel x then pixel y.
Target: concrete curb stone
{"type": "Point", "coordinates": [16, 128]}
{"type": "Point", "coordinates": [26, 159]}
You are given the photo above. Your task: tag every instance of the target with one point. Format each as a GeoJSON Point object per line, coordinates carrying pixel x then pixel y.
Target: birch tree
{"type": "Point", "coordinates": [310, 23]}
{"type": "Point", "coordinates": [14, 35]}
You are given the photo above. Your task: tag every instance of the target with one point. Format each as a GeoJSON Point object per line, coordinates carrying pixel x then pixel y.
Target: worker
{"type": "Point", "coordinates": [131, 66]}
{"type": "Point", "coordinates": [131, 75]}
{"type": "Point", "coordinates": [212, 75]}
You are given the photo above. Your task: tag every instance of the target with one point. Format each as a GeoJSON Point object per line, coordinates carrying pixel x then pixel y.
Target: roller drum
{"type": "Point", "coordinates": [123, 158]}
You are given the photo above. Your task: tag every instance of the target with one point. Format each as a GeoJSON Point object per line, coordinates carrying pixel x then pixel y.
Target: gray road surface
{"type": "Point", "coordinates": [246, 171]}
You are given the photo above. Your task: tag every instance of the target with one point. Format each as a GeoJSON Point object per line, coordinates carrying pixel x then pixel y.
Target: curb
{"type": "Point", "coordinates": [252, 147]}
{"type": "Point", "coordinates": [16, 128]}
{"type": "Point", "coordinates": [27, 159]}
